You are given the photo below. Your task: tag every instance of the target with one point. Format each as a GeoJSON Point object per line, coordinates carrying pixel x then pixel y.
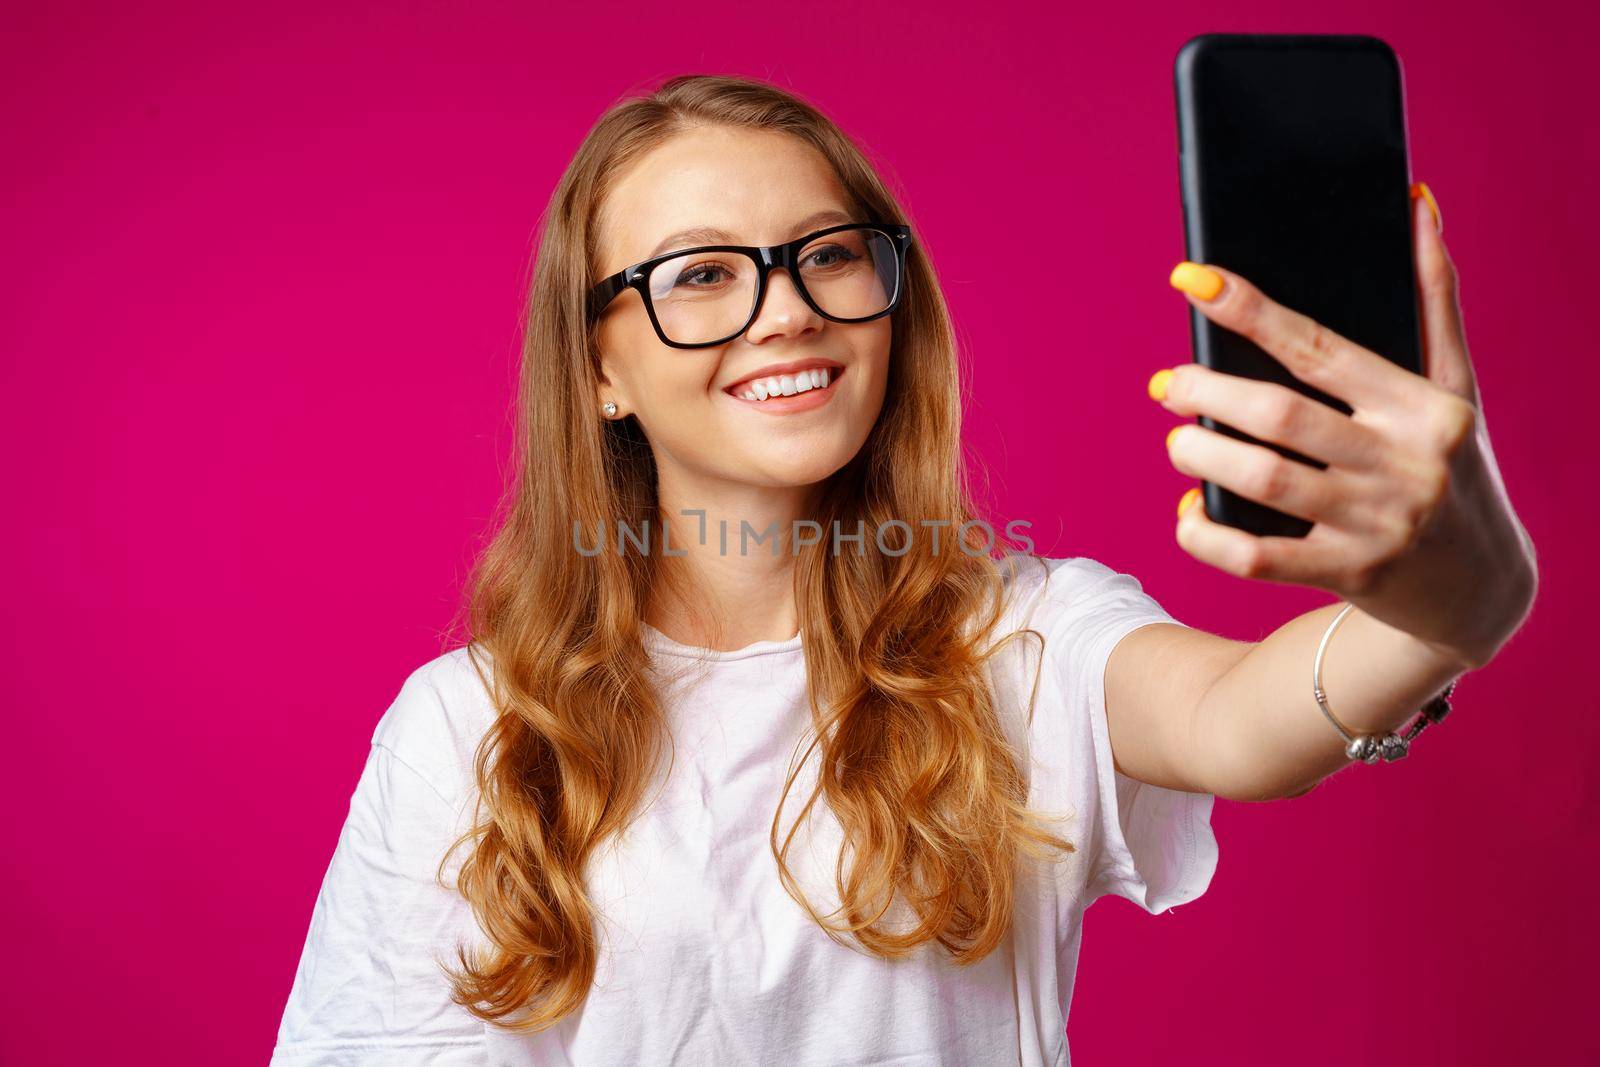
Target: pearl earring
{"type": "Point", "coordinates": [610, 409]}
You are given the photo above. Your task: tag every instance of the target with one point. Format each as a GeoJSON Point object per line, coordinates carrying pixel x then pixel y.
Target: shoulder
{"type": "Point", "coordinates": [1046, 592]}
{"type": "Point", "coordinates": [1065, 615]}
{"type": "Point", "coordinates": [436, 720]}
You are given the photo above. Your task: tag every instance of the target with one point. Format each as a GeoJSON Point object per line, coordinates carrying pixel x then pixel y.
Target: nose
{"type": "Point", "coordinates": [783, 309]}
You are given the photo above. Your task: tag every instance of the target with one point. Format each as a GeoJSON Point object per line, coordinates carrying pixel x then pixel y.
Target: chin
{"type": "Point", "coordinates": [810, 466]}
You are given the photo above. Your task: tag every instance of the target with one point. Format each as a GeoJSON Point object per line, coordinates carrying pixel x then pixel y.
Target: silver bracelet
{"type": "Point", "coordinates": [1369, 748]}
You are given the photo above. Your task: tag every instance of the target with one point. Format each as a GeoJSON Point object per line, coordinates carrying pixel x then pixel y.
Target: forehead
{"type": "Point", "coordinates": [754, 184]}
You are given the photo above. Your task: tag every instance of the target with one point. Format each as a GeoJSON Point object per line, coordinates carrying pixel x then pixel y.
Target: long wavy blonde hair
{"type": "Point", "coordinates": [914, 761]}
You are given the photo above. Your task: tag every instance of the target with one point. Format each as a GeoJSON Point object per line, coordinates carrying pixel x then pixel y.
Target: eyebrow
{"type": "Point", "coordinates": [699, 235]}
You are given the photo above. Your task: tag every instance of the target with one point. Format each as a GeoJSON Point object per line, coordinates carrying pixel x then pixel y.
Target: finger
{"type": "Point", "coordinates": [1259, 473]}
{"type": "Point", "coordinates": [1271, 412]}
{"type": "Point", "coordinates": [1307, 349]}
{"type": "Point", "coordinates": [1312, 560]}
{"type": "Point", "coordinates": [1446, 361]}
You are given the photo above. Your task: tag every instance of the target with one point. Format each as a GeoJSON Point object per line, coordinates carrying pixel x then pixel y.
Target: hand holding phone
{"type": "Point", "coordinates": [1310, 344]}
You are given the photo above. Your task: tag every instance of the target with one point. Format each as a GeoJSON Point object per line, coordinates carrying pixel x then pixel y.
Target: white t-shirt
{"type": "Point", "coordinates": [704, 957]}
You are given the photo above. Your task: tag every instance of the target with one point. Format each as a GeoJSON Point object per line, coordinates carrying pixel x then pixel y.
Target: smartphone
{"type": "Point", "coordinates": [1295, 175]}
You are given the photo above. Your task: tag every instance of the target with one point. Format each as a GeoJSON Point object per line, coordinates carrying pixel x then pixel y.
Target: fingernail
{"type": "Point", "coordinates": [1158, 384]}
{"type": "Point", "coordinates": [1186, 499]}
{"type": "Point", "coordinates": [1203, 283]}
{"type": "Point", "coordinates": [1173, 433]}
{"type": "Point", "coordinates": [1421, 189]}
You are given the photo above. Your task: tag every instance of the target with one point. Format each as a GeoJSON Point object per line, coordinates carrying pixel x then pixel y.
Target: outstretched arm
{"type": "Point", "coordinates": [1194, 711]}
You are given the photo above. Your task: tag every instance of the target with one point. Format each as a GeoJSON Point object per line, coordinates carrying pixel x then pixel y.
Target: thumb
{"type": "Point", "coordinates": [1445, 360]}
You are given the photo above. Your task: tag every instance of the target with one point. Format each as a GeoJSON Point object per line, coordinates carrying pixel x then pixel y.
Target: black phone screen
{"type": "Point", "coordinates": [1294, 171]}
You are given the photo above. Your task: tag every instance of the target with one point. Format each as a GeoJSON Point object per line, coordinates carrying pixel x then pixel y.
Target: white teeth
{"type": "Point", "coordinates": [787, 384]}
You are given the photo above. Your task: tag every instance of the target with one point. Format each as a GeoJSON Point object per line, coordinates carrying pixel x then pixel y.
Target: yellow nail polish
{"type": "Point", "coordinates": [1203, 283]}
{"type": "Point", "coordinates": [1421, 189]}
{"type": "Point", "coordinates": [1186, 499]}
{"type": "Point", "coordinates": [1158, 384]}
{"type": "Point", "coordinates": [1171, 434]}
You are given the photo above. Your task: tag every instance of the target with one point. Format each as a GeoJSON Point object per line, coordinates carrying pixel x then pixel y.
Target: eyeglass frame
{"type": "Point", "coordinates": [766, 258]}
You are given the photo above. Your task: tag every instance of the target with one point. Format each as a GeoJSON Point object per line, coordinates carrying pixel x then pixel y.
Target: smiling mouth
{"type": "Point", "coordinates": [778, 387]}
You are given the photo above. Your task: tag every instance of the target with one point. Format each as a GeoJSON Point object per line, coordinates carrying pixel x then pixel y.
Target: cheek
{"type": "Point", "coordinates": [670, 389]}
{"type": "Point", "coordinates": [669, 406]}
{"type": "Point", "coordinates": [656, 378]}
{"type": "Point", "coordinates": [873, 361]}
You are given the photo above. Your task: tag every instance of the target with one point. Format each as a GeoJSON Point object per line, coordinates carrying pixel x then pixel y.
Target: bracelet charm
{"type": "Point", "coordinates": [1370, 748]}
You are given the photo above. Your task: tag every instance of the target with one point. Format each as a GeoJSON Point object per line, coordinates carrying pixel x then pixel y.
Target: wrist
{"type": "Point", "coordinates": [1500, 615]}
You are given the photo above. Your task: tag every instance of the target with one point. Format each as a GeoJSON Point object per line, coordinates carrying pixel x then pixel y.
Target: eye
{"type": "Point", "coordinates": [830, 256]}
{"type": "Point", "coordinates": [708, 275]}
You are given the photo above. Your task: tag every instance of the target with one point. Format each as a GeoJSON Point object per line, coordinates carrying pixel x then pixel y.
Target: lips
{"type": "Point", "coordinates": [779, 370]}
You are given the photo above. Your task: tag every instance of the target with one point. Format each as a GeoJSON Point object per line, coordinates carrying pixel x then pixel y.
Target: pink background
{"type": "Point", "coordinates": [259, 337]}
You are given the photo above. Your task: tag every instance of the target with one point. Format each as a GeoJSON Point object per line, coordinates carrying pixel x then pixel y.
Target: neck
{"type": "Point", "coordinates": [743, 587]}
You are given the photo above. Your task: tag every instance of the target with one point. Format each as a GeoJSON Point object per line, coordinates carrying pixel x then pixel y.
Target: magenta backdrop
{"type": "Point", "coordinates": [259, 329]}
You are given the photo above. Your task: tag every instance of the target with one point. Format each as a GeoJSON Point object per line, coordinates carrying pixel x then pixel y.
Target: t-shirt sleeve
{"type": "Point", "coordinates": [1148, 844]}
{"type": "Point", "coordinates": [368, 989]}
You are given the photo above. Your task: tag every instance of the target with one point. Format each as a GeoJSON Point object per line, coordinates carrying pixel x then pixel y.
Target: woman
{"type": "Point", "coordinates": [743, 763]}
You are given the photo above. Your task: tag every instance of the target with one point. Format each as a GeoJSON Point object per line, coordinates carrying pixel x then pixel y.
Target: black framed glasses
{"type": "Point", "coordinates": [698, 297]}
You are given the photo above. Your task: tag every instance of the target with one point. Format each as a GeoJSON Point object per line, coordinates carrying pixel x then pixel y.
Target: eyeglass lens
{"type": "Point", "coordinates": [710, 296]}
